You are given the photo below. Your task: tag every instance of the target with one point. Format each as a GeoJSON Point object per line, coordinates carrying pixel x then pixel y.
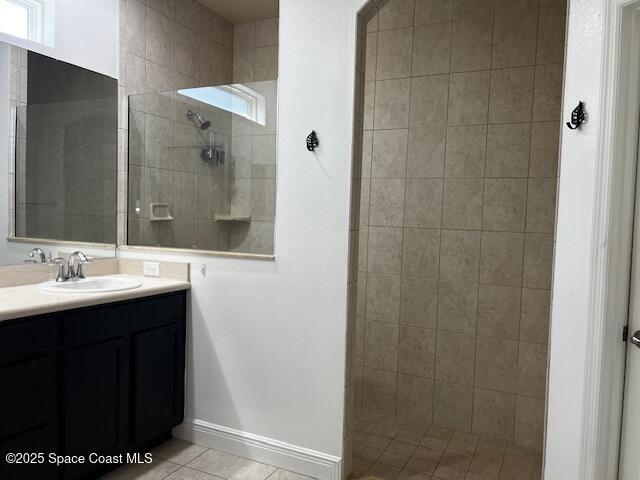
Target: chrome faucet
{"type": "Point", "coordinates": [41, 257]}
{"type": "Point", "coordinates": [73, 264]}
{"type": "Point", "coordinates": [74, 268]}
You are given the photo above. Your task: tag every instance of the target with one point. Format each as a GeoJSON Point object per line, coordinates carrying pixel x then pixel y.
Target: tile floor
{"type": "Point", "coordinates": [388, 448]}
{"type": "Point", "coordinates": [180, 460]}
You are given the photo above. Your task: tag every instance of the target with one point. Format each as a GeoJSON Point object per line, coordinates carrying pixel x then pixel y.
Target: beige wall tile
{"type": "Point", "coordinates": [431, 49]}
{"type": "Point", "coordinates": [514, 38]}
{"type": "Point", "coordinates": [426, 152]}
{"type": "Point", "coordinates": [383, 297]}
{"type": "Point", "coordinates": [136, 28]}
{"type": "Point", "coordinates": [381, 345]}
{"type": "Point", "coordinates": [394, 53]}
{"type": "Point", "coordinates": [548, 92]}
{"type": "Point", "coordinates": [387, 202]}
{"type": "Point", "coordinates": [459, 255]}
{"type": "Point", "coordinates": [508, 150]}
{"type": "Point", "coordinates": [551, 35]}
{"type": "Point", "coordinates": [511, 95]}
{"type": "Point", "coordinates": [188, 14]}
{"type": "Point", "coordinates": [417, 354]}
{"type": "Point", "coordinates": [504, 6]}
{"type": "Point", "coordinates": [423, 202]}
{"type": "Point", "coordinates": [534, 321]}
{"type": "Point", "coordinates": [385, 250]}
{"type": "Point", "coordinates": [160, 39]}
{"type": "Point", "coordinates": [419, 301]}
{"type": "Point", "coordinates": [532, 370]}
{"type": "Point", "coordinates": [369, 100]}
{"type": "Point", "coordinates": [379, 391]}
{"type": "Point", "coordinates": [362, 294]}
{"type": "Point", "coordinates": [494, 413]}
{"type": "Point", "coordinates": [457, 307]}
{"type": "Point", "coordinates": [465, 152]}
{"type": "Point", "coordinates": [529, 422]}
{"type": "Point", "coordinates": [415, 398]}
{"type": "Point", "coordinates": [455, 357]}
{"type": "Point", "coordinates": [462, 203]}
{"type": "Point", "coordinates": [501, 259]}
{"type": "Point", "coordinates": [187, 51]}
{"type": "Point", "coordinates": [432, 11]}
{"type": "Point", "coordinates": [392, 104]}
{"type": "Point", "coordinates": [541, 205]}
{"type": "Point", "coordinates": [545, 140]}
{"type": "Point", "coordinates": [472, 9]}
{"type": "Point", "coordinates": [453, 405]}
{"type": "Point", "coordinates": [267, 32]}
{"type": "Point", "coordinates": [468, 98]}
{"type": "Point", "coordinates": [396, 14]}
{"type": "Point", "coordinates": [538, 258]}
{"type": "Point", "coordinates": [371, 56]}
{"type": "Point", "coordinates": [505, 202]}
{"type": "Point", "coordinates": [389, 154]}
{"type": "Point", "coordinates": [496, 364]}
{"type": "Point", "coordinates": [363, 247]}
{"type": "Point", "coordinates": [265, 64]}
{"type": "Point", "coordinates": [429, 101]}
{"type": "Point", "coordinates": [498, 311]}
{"type": "Point", "coordinates": [471, 44]}
{"type": "Point", "coordinates": [367, 153]}
{"type": "Point", "coordinates": [365, 191]}
{"type": "Point", "coordinates": [420, 250]}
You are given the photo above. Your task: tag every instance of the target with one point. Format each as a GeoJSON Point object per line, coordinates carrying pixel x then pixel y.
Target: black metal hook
{"type": "Point", "coordinates": [578, 117]}
{"type": "Point", "coordinates": [312, 141]}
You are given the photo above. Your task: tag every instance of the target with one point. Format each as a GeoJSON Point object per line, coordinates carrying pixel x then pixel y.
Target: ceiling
{"type": "Point", "coordinates": [242, 11]}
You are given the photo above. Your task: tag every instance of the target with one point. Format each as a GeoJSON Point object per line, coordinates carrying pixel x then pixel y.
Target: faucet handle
{"type": "Point", "coordinates": [80, 269]}
{"type": "Point", "coordinates": [61, 276]}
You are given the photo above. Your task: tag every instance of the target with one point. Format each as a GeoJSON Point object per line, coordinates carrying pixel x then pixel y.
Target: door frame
{"type": "Point", "coordinates": [613, 219]}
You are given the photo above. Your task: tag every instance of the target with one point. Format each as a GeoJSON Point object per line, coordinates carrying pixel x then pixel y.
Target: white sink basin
{"type": "Point", "coordinates": [91, 285]}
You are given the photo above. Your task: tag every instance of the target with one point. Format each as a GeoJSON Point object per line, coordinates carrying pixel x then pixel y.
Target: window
{"type": "Point", "coordinates": [238, 99]}
{"type": "Point", "coordinates": [26, 19]}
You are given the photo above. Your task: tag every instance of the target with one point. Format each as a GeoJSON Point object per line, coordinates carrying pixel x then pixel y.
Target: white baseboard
{"type": "Point", "coordinates": [261, 449]}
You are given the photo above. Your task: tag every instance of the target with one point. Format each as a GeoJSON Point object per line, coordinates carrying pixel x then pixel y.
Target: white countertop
{"type": "Point", "coordinates": [29, 300]}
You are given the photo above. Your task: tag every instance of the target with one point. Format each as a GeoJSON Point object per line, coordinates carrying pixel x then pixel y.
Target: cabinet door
{"type": "Point", "coordinates": [30, 397]}
{"type": "Point", "coordinates": [95, 401]}
{"type": "Point", "coordinates": [41, 440]}
{"type": "Point", "coordinates": [158, 381]}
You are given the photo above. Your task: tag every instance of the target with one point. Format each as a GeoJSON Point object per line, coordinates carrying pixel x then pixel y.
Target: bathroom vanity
{"type": "Point", "coordinates": [106, 378]}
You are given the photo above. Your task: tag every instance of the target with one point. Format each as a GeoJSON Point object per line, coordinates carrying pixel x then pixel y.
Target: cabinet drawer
{"type": "Point", "coordinates": [30, 395]}
{"type": "Point", "coordinates": [159, 311]}
{"type": "Point", "coordinates": [22, 339]}
{"type": "Point", "coordinates": [102, 323]}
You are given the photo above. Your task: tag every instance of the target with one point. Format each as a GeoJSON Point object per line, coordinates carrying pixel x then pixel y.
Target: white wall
{"type": "Point", "coordinates": [575, 223]}
{"type": "Point", "coordinates": [267, 339]}
{"type": "Point", "coordinates": [86, 34]}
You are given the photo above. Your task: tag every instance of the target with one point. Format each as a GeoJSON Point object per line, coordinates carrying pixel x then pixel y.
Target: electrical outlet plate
{"type": "Point", "coordinates": [151, 269]}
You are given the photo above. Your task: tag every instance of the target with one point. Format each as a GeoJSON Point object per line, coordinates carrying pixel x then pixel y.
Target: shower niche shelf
{"type": "Point", "coordinates": [159, 212]}
{"type": "Point", "coordinates": [232, 217]}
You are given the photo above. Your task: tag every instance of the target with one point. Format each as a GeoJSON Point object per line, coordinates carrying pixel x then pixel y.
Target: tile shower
{"type": "Point", "coordinates": [453, 213]}
{"type": "Point", "coordinates": [169, 47]}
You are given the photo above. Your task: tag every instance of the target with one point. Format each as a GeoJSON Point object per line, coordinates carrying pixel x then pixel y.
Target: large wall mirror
{"type": "Point", "coordinates": [202, 126]}
{"type": "Point", "coordinates": [58, 157]}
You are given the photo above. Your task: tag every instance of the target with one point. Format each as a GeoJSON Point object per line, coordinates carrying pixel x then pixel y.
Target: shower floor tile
{"type": "Point", "coordinates": [387, 448]}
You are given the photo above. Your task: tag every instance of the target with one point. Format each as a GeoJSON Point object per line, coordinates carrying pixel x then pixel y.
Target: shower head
{"type": "Point", "coordinates": [195, 117]}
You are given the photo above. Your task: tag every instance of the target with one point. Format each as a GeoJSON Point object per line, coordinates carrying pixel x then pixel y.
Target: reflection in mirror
{"type": "Point", "coordinates": [60, 163]}
{"type": "Point", "coordinates": [202, 157]}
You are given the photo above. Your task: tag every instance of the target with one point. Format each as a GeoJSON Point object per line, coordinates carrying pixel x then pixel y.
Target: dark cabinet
{"type": "Point", "coordinates": [104, 380]}
{"type": "Point", "coordinates": [95, 400]}
{"type": "Point", "coordinates": [158, 380]}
